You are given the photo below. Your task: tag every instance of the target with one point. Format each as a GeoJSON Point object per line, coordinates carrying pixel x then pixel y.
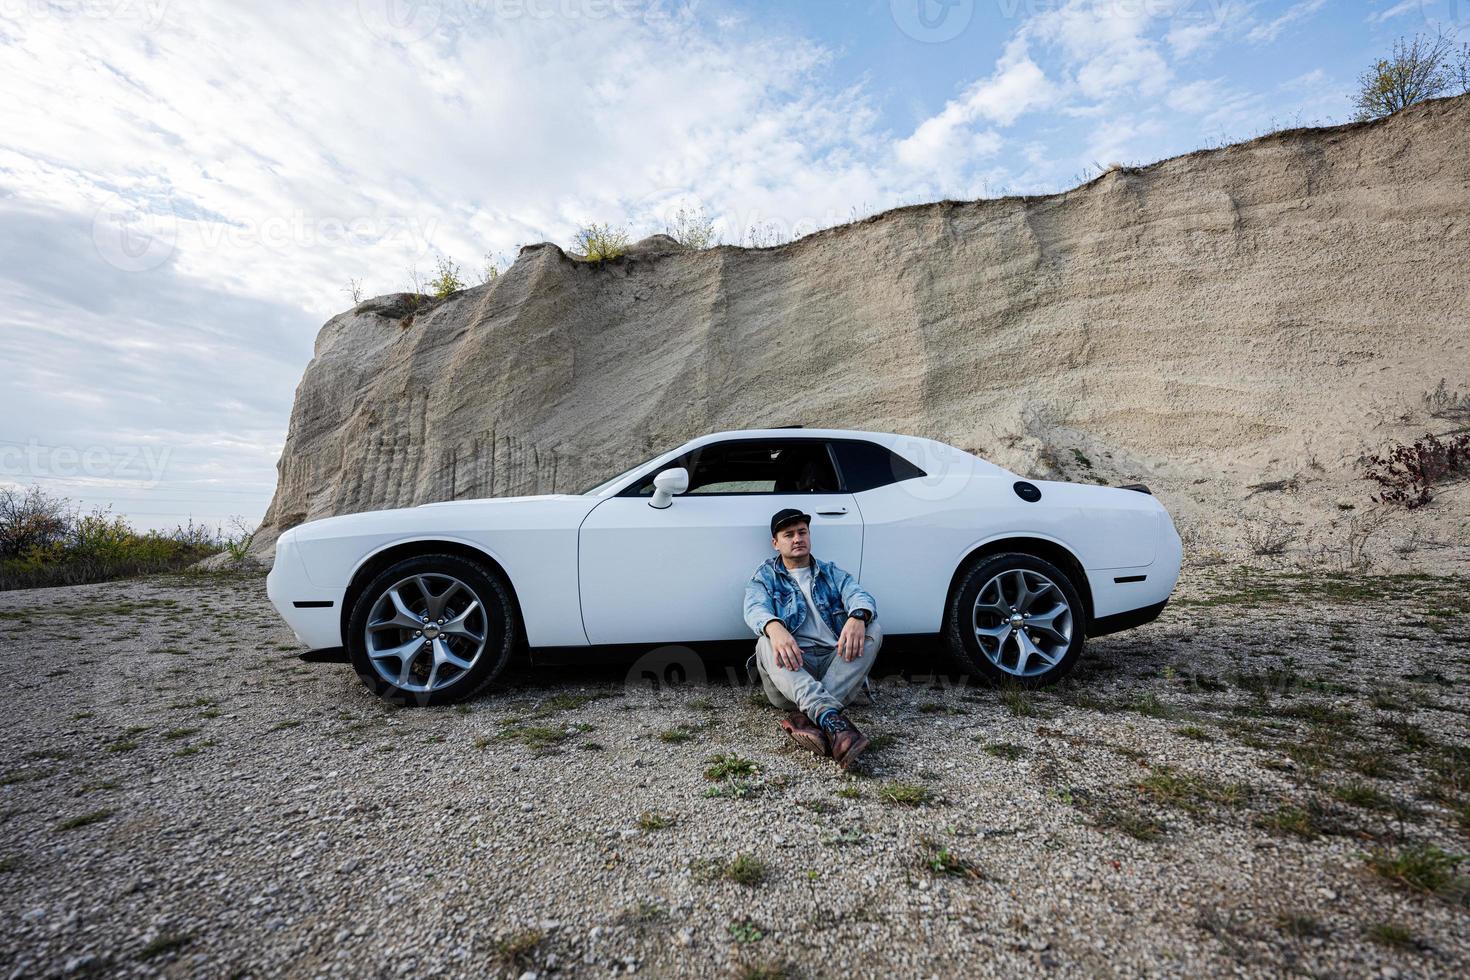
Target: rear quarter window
{"type": "Point", "coordinates": [867, 465]}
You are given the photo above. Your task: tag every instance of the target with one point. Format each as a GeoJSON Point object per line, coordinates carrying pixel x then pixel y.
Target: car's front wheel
{"type": "Point", "coordinates": [433, 629]}
{"type": "Point", "coordinates": [1015, 619]}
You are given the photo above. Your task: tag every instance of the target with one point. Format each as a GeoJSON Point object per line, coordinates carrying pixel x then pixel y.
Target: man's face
{"type": "Point", "coordinates": [794, 541]}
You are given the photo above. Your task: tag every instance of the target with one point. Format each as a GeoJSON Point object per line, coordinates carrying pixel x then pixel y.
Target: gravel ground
{"type": "Point", "coordinates": [1271, 779]}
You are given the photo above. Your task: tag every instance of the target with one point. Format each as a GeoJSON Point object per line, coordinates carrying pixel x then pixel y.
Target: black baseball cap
{"type": "Point", "coordinates": [788, 516]}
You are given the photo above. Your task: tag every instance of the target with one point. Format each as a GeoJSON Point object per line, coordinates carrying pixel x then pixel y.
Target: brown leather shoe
{"type": "Point", "coordinates": [847, 742]}
{"type": "Point", "coordinates": [804, 732]}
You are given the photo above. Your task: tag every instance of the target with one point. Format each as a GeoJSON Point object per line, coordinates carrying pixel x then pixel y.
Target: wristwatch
{"type": "Point", "coordinates": [862, 615]}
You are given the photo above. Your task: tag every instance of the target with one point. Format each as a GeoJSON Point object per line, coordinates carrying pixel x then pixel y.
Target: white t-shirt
{"type": "Point", "coordinates": [814, 629]}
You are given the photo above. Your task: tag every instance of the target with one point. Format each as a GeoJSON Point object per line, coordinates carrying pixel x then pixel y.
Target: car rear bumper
{"type": "Point", "coordinates": [1119, 622]}
{"type": "Point", "coordinates": [313, 613]}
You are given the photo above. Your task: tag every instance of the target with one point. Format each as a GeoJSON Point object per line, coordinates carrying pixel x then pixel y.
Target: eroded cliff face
{"type": "Point", "coordinates": [1262, 312]}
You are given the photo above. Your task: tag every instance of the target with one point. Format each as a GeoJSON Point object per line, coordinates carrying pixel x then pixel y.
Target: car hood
{"type": "Point", "coordinates": [559, 510]}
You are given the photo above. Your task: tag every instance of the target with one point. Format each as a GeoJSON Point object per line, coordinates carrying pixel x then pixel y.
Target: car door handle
{"type": "Point", "coordinates": [833, 513]}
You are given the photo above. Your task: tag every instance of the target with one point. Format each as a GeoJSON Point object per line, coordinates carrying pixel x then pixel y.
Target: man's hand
{"type": "Point", "coordinates": [850, 643]}
{"type": "Point", "coordinates": [783, 644]}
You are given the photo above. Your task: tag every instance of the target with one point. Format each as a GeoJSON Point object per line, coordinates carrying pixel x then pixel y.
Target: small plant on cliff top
{"type": "Point", "coordinates": [601, 242]}
{"type": "Point", "coordinates": [1407, 473]}
{"type": "Point", "coordinates": [692, 229]}
{"type": "Point", "coordinates": [1421, 69]}
{"type": "Point", "coordinates": [446, 278]}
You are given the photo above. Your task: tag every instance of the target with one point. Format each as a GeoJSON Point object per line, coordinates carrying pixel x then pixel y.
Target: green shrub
{"type": "Point", "coordinates": [601, 242]}
{"type": "Point", "coordinates": [43, 543]}
{"type": "Point", "coordinates": [446, 279]}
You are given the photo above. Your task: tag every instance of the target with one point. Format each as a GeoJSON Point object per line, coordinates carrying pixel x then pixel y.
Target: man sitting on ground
{"type": "Point", "coordinates": [817, 639]}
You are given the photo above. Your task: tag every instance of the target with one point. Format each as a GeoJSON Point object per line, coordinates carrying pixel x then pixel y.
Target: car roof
{"type": "Point", "coordinates": [911, 448]}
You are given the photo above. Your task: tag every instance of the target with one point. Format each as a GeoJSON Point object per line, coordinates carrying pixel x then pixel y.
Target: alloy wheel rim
{"type": "Point", "coordinates": [425, 632]}
{"type": "Point", "coordinates": [1023, 622]}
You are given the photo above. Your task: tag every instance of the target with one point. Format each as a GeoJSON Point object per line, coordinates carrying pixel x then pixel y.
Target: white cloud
{"type": "Point", "coordinates": [946, 139]}
{"type": "Point", "coordinates": [1397, 10]}
{"type": "Point", "coordinates": [1271, 30]}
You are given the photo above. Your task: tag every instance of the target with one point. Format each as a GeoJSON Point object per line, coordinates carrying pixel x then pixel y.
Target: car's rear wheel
{"type": "Point", "coordinates": [1015, 619]}
{"type": "Point", "coordinates": [433, 629]}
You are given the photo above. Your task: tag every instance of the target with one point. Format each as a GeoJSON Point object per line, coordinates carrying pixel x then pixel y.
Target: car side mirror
{"type": "Point", "coordinates": [668, 483]}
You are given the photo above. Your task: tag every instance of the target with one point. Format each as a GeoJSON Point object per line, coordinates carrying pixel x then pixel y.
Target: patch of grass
{"type": "Point", "coordinates": [1139, 826]}
{"type": "Point", "coordinates": [1392, 935]}
{"type": "Point", "coordinates": [1318, 713]}
{"type": "Point", "coordinates": [121, 745]}
{"type": "Point", "coordinates": [281, 726]}
{"type": "Point", "coordinates": [1420, 867]}
{"type": "Point", "coordinates": [941, 861]}
{"type": "Point", "coordinates": [536, 737]}
{"type": "Point", "coordinates": [1361, 795]}
{"type": "Point", "coordinates": [905, 794]}
{"type": "Point", "coordinates": [50, 755]}
{"type": "Point", "coordinates": [569, 702]}
{"type": "Point", "coordinates": [1412, 736]}
{"type": "Point", "coordinates": [729, 767]}
{"type": "Point", "coordinates": [1299, 924]}
{"type": "Point", "coordinates": [518, 950]}
{"type": "Point", "coordinates": [84, 820]}
{"type": "Point", "coordinates": [881, 741]}
{"type": "Point", "coordinates": [1169, 787]}
{"type": "Point", "coordinates": [195, 749]}
{"type": "Point", "coordinates": [166, 943]}
{"type": "Point", "coordinates": [590, 746]}
{"type": "Point", "coordinates": [1308, 821]}
{"type": "Point", "coordinates": [849, 792]}
{"type": "Point", "coordinates": [9, 863]}
{"type": "Point", "coordinates": [652, 820]}
{"type": "Point", "coordinates": [734, 789]}
{"type": "Point", "coordinates": [1004, 750]}
{"type": "Point", "coordinates": [642, 914]}
{"type": "Point", "coordinates": [1019, 702]}
{"type": "Point", "coordinates": [173, 733]}
{"type": "Point", "coordinates": [1374, 764]}
{"type": "Point", "coordinates": [1150, 706]}
{"type": "Point", "coordinates": [746, 869]}
{"type": "Point", "coordinates": [1385, 701]}
{"type": "Point", "coordinates": [1195, 732]}
{"type": "Point", "coordinates": [675, 736]}
{"type": "Point", "coordinates": [745, 931]}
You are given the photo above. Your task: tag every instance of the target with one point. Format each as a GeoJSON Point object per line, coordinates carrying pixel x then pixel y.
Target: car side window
{"type": "Point", "coordinates": [867, 465]}
{"type": "Point", "coordinates": [754, 466]}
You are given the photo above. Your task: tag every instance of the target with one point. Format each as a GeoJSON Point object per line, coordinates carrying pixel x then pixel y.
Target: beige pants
{"type": "Point", "coordinates": [824, 680]}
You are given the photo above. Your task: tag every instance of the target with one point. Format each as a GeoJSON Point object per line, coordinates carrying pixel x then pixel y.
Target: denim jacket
{"type": "Point", "coordinates": [773, 594]}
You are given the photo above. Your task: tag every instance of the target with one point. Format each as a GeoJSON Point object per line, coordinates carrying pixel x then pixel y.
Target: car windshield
{"type": "Point", "coordinates": [598, 489]}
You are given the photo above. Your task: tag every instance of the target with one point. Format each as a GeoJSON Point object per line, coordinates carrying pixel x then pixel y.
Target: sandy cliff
{"type": "Point", "coordinates": [1263, 312]}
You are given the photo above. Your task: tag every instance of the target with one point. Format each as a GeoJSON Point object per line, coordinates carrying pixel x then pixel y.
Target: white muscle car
{"type": "Point", "coordinates": [1012, 574]}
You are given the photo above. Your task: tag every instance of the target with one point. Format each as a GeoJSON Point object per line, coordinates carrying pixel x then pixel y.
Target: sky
{"type": "Point", "coordinates": [187, 190]}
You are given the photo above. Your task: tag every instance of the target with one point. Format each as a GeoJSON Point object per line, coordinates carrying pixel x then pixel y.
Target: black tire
{"type": "Point", "coordinates": [499, 624]}
{"type": "Point", "coordinates": [960, 620]}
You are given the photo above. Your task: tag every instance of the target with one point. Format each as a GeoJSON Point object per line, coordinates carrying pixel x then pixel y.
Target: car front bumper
{"type": "Point", "coordinates": [313, 613]}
